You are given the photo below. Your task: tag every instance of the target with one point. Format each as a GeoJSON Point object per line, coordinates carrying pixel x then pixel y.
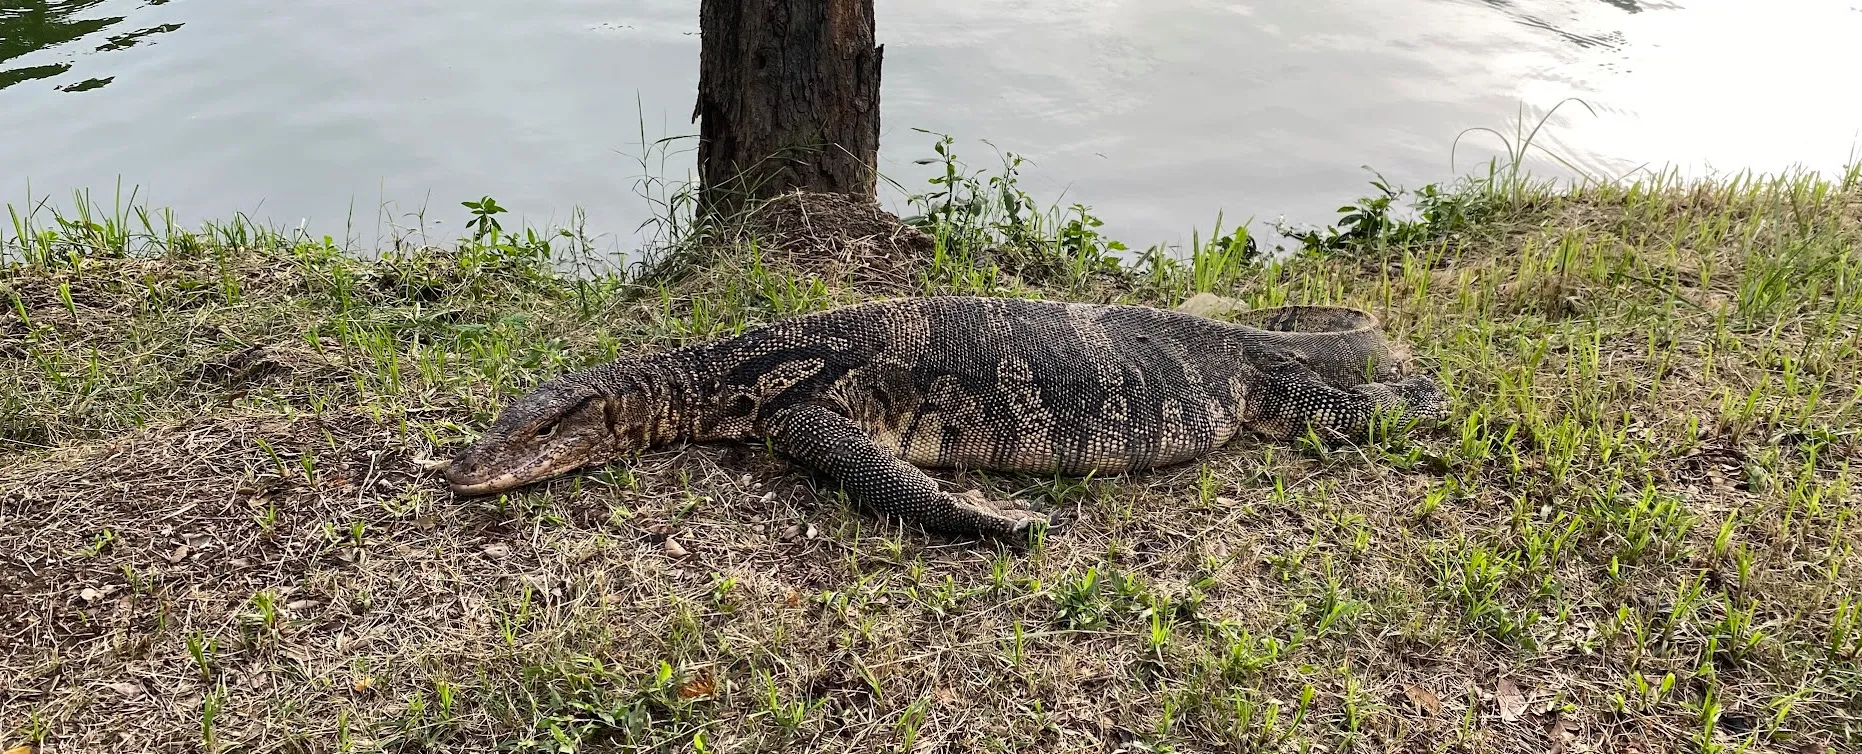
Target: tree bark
{"type": "Point", "coordinates": [788, 98]}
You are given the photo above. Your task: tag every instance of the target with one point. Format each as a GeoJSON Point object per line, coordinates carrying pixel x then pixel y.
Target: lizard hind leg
{"type": "Point", "coordinates": [1289, 397]}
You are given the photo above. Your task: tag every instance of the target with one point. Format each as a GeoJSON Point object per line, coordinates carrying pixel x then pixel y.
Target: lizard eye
{"type": "Point", "coordinates": [548, 429]}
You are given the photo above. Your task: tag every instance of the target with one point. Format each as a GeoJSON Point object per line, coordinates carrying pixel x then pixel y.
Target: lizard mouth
{"type": "Point", "coordinates": [499, 483]}
{"type": "Point", "coordinates": [471, 479]}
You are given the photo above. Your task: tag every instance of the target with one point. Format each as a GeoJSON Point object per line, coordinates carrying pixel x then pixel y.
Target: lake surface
{"type": "Point", "coordinates": [1158, 113]}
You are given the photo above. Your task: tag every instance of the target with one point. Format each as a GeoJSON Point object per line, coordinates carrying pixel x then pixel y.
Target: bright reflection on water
{"type": "Point", "coordinates": [1159, 113]}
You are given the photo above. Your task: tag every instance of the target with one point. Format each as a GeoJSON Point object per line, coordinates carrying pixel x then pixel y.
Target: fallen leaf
{"type": "Point", "coordinates": [1561, 733]}
{"type": "Point", "coordinates": [1512, 703]}
{"type": "Point", "coordinates": [1424, 699]}
{"type": "Point", "coordinates": [363, 685]}
{"type": "Point", "coordinates": [700, 686]}
{"type": "Point", "coordinates": [176, 555]}
{"type": "Point", "coordinates": [791, 533]}
{"type": "Point", "coordinates": [1218, 551]}
{"type": "Point", "coordinates": [125, 688]}
{"type": "Point", "coordinates": [497, 550]}
{"type": "Point", "coordinates": [21, 749]}
{"type": "Point", "coordinates": [90, 595]}
{"type": "Point", "coordinates": [794, 598]}
{"type": "Point", "coordinates": [672, 548]}
{"type": "Point", "coordinates": [430, 465]}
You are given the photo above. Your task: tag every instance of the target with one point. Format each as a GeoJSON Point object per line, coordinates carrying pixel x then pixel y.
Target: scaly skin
{"type": "Point", "coordinates": [872, 394]}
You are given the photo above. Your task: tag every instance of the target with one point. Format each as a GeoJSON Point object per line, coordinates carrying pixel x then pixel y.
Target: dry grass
{"type": "Point", "coordinates": [1633, 535]}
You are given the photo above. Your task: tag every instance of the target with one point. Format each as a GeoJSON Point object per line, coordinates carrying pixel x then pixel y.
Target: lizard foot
{"type": "Point", "coordinates": [1423, 397]}
{"type": "Point", "coordinates": [994, 517]}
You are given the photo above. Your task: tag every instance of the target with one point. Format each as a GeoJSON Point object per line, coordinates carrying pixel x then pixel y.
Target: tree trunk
{"type": "Point", "coordinates": [788, 98]}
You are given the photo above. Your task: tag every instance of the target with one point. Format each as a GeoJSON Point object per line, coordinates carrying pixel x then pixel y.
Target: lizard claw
{"type": "Point", "coordinates": [1007, 518]}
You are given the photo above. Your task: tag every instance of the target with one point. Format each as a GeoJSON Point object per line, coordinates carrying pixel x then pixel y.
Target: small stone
{"type": "Point", "coordinates": [810, 533]}
{"type": "Point", "coordinates": [672, 549]}
{"type": "Point", "coordinates": [1210, 305]}
{"type": "Point", "coordinates": [298, 606]}
{"type": "Point", "coordinates": [497, 550]}
{"type": "Point", "coordinates": [791, 532]}
{"type": "Point", "coordinates": [90, 595]}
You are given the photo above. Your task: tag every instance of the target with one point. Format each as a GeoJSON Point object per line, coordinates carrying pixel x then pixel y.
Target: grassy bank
{"type": "Point", "coordinates": [1635, 533]}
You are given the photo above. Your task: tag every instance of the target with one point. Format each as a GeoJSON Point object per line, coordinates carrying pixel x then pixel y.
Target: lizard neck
{"type": "Point", "coordinates": [660, 397]}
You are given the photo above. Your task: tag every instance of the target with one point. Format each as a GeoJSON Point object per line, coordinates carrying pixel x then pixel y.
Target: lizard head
{"type": "Point", "coordinates": [563, 425]}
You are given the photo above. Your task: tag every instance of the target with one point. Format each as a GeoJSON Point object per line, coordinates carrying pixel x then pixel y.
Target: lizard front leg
{"type": "Point", "coordinates": [826, 441]}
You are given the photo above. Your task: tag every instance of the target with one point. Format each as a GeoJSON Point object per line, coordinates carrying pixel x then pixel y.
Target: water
{"type": "Point", "coordinates": [1158, 113]}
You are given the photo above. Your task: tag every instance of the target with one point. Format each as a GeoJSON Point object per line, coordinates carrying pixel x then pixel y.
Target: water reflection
{"type": "Point", "coordinates": [43, 26]}
{"type": "Point", "coordinates": [1573, 16]}
{"type": "Point", "coordinates": [28, 73]}
{"type": "Point", "coordinates": [121, 41]}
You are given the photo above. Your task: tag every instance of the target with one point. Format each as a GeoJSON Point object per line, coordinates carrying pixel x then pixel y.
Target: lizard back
{"type": "Point", "coordinates": [1002, 384]}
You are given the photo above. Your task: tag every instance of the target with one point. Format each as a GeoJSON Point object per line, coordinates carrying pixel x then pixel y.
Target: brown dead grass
{"type": "Point", "coordinates": [837, 237]}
